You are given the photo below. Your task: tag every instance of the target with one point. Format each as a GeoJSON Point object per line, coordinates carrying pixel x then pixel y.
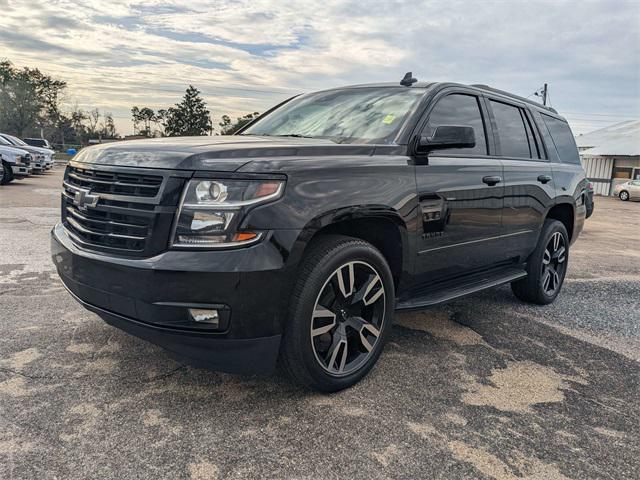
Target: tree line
{"type": "Point", "coordinates": [32, 105]}
{"type": "Point", "coordinates": [188, 118]}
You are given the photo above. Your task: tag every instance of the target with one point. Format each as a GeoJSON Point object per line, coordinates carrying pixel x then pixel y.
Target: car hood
{"type": "Point", "coordinates": [7, 150]}
{"type": "Point", "coordinates": [217, 153]}
{"type": "Point", "coordinates": [33, 150]}
{"type": "Point", "coordinates": [46, 151]}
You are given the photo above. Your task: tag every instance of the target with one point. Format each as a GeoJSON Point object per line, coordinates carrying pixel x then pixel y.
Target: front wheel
{"type": "Point", "coordinates": [547, 266]}
{"type": "Point", "coordinates": [339, 315]}
{"type": "Point", "coordinates": [624, 195]}
{"type": "Point", "coordinates": [6, 173]}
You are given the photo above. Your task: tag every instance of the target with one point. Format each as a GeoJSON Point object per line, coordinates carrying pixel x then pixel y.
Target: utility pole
{"type": "Point", "coordinates": [542, 93]}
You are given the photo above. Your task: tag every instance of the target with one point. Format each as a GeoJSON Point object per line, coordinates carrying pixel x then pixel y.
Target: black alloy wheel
{"type": "Point", "coordinates": [554, 264]}
{"type": "Point", "coordinates": [347, 318]}
{"type": "Point", "coordinates": [340, 314]}
{"type": "Point", "coordinates": [546, 267]}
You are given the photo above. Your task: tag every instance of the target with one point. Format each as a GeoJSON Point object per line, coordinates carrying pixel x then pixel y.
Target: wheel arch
{"type": "Point", "coordinates": [382, 227]}
{"type": "Point", "coordinates": [564, 212]}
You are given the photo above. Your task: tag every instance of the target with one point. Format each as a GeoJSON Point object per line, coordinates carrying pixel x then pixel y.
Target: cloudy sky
{"type": "Point", "coordinates": [248, 55]}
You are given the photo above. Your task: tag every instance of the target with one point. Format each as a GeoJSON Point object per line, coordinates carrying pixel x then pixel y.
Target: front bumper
{"type": "Point", "coordinates": [21, 170]}
{"type": "Point", "coordinates": [150, 297]}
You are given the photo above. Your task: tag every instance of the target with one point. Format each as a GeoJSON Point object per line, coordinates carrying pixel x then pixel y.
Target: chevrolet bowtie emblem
{"type": "Point", "coordinates": [83, 199]}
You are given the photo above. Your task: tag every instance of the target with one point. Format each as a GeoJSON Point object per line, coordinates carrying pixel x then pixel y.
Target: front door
{"type": "Point", "coordinates": [461, 197]}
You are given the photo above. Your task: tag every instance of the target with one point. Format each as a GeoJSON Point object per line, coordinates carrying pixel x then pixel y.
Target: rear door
{"type": "Point", "coordinates": [460, 193]}
{"type": "Point", "coordinates": [567, 168]}
{"type": "Point", "coordinates": [529, 189]}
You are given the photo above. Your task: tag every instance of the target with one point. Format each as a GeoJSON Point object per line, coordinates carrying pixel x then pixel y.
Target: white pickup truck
{"type": "Point", "coordinates": [15, 163]}
{"type": "Point", "coordinates": [41, 158]}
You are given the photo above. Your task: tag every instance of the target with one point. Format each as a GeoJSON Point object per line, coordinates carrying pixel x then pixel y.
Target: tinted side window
{"type": "Point", "coordinates": [511, 130]}
{"type": "Point", "coordinates": [458, 109]}
{"type": "Point", "coordinates": [563, 139]}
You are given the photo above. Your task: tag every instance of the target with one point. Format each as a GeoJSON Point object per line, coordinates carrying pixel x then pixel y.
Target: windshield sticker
{"type": "Point", "coordinates": [389, 119]}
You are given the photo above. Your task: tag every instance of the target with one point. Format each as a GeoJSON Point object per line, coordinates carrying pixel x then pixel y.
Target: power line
{"type": "Point", "coordinates": [604, 114]}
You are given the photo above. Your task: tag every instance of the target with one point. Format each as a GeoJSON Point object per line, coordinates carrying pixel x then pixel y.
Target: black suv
{"type": "Point", "coordinates": [294, 241]}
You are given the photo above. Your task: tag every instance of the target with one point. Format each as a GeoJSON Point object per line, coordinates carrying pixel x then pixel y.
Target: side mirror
{"type": "Point", "coordinates": [448, 136]}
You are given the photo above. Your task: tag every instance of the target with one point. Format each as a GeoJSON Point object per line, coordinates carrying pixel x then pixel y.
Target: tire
{"type": "Point", "coordinates": [551, 257]}
{"type": "Point", "coordinates": [6, 174]}
{"type": "Point", "coordinates": [332, 340]}
{"type": "Point", "coordinates": [623, 195]}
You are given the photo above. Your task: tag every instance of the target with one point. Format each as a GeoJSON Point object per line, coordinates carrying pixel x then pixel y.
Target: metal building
{"type": "Point", "coordinates": [611, 155]}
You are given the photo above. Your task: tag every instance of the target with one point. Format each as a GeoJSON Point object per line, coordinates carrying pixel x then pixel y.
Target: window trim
{"type": "Point", "coordinates": [530, 136]}
{"type": "Point", "coordinates": [544, 153]}
{"type": "Point", "coordinates": [550, 148]}
{"type": "Point", "coordinates": [524, 116]}
{"type": "Point", "coordinates": [424, 120]}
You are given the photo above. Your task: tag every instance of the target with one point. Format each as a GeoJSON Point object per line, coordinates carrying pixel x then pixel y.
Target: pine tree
{"type": "Point", "coordinates": [189, 117]}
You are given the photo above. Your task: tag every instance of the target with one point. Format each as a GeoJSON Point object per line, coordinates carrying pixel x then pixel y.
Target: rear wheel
{"type": "Point", "coordinates": [339, 316]}
{"type": "Point", "coordinates": [624, 195]}
{"type": "Point", "coordinates": [547, 266]}
{"type": "Point", "coordinates": [6, 173]}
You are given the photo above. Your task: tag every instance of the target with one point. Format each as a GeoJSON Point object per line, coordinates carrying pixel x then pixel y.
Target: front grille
{"type": "Point", "coordinates": [107, 229]}
{"type": "Point", "coordinates": [114, 182]}
{"type": "Point", "coordinates": [123, 211]}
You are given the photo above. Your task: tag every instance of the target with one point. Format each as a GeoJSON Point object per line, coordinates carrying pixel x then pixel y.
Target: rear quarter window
{"type": "Point", "coordinates": [562, 139]}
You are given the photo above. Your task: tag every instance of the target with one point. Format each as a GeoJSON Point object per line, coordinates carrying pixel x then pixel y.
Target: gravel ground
{"type": "Point", "coordinates": [483, 387]}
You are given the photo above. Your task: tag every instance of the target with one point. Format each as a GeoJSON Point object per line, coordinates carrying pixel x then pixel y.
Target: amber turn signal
{"type": "Point", "coordinates": [244, 236]}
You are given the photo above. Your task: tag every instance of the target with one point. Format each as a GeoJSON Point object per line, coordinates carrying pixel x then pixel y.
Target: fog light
{"type": "Point", "coordinates": [202, 315]}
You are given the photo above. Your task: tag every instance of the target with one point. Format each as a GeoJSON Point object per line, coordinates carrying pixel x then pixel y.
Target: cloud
{"type": "Point", "coordinates": [25, 41]}
{"type": "Point", "coordinates": [246, 55]}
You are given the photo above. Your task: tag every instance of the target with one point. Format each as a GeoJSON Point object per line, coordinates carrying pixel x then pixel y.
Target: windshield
{"type": "Point", "coordinates": [352, 115]}
{"type": "Point", "coordinates": [15, 141]}
{"type": "Point", "coordinates": [4, 141]}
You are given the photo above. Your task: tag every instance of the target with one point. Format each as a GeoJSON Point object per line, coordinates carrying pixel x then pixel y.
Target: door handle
{"type": "Point", "coordinates": [544, 178]}
{"type": "Point", "coordinates": [491, 180]}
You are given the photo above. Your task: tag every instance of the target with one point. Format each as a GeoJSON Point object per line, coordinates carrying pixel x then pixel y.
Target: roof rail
{"type": "Point", "coordinates": [522, 99]}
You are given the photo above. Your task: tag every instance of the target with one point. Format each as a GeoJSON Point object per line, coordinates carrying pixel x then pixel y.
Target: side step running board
{"type": "Point", "coordinates": [450, 290]}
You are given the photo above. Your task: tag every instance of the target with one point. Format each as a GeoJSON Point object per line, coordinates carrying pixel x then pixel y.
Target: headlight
{"type": "Point", "coordinates": [18, 159]}
{"type": "Point", "coordinates": [211, 211]}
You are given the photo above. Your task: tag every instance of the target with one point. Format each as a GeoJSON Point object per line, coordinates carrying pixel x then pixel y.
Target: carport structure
{"type": "Point", "coordinates": [611, 155]}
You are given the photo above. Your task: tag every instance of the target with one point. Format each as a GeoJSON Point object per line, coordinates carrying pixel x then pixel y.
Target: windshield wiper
{"type": "Point", "coordinates": [294, 135]}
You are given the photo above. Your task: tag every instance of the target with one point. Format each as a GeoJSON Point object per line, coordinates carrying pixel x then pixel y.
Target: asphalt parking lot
{"type": "Point", "coordinates": [483, 387]}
